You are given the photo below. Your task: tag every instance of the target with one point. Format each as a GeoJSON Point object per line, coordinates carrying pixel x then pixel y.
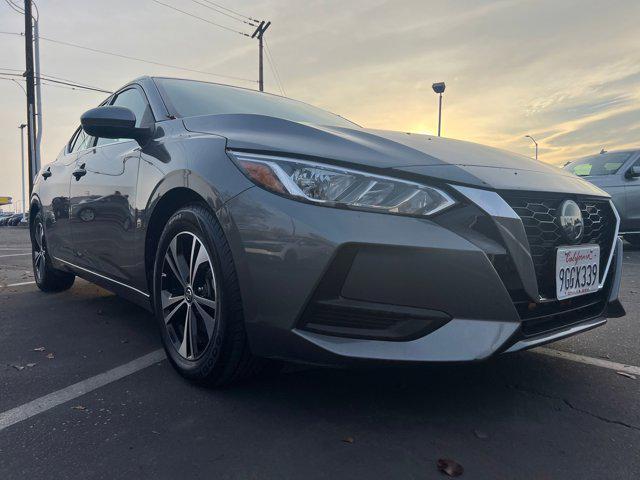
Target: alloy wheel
{"type": "Point", "coordinates": [39, 252]}
{"type": "Point", "coordinates": [189, 295]}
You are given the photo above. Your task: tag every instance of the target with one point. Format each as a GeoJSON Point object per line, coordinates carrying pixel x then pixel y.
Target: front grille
{"type": "Point", "coordinates": [540, 319]}
{"type": "Point", "coordinates": [539, 216]}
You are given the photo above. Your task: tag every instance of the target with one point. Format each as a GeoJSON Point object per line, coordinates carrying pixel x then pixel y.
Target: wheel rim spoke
{"type": "Point", "coordinates": [168, 299]}
{"type": "Point", "coordinates": [170, 315]}
{"type": "Point", "coordinates": [174, 263]}
{"type": "Point", "coordinates": [194, 244]}
{"type": "Point", "coordinates": [39, 236]}
{"type": "Point", "coordinates": [205, 301]}
{"type": "Point", "coordinates": [193, 333]}
{"type": "Point", "coordinates": [200, 259]}
{"type": "Point", "coordinates": [185, 334]}
{"type": "Point", "coordinates": [209, 321]}
{"type": "Point", "coordinates": [40, 261]}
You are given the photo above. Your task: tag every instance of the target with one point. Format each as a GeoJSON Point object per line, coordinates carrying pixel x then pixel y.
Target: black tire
{"type": "Point", "coordinates": [226, 357]}
{"type": "Point", "coordinates": [633, 239]}
{"type": "Point", "coordinates": [48, 279]}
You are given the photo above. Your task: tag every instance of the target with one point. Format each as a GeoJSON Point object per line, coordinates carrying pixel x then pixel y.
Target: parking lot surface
{"type": "Point", "coordinates": [531, 415]}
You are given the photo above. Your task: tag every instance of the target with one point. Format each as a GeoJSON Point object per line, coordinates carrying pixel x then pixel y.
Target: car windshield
{"type": "Point", "coordinates": [191, 98]}
{"type": "Point", "coordinates": [603, 164]}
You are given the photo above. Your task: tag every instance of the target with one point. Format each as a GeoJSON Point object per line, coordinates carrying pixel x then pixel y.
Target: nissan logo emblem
{"type": "Point", "coordinates": [571, 222]}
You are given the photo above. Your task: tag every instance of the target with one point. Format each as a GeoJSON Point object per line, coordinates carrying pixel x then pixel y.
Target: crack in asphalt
{"type": "Point", "coordinates": [599, 417]}
{"type": "Point", "coordinates": [568, 403]}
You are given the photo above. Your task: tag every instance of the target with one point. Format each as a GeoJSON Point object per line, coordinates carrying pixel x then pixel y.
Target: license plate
{"type": "Point", "coordinates": [577, 270]}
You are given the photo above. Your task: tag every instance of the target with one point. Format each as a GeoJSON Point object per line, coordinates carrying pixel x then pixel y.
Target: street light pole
{"type": "Point", "coordinates": [534, 141]}
{"type": "Point", "coordinates": [439, 89]}
{"type": "Point", "coordinates": [440, 115]}
{"type": "Point", "coordinates": [22, 127]}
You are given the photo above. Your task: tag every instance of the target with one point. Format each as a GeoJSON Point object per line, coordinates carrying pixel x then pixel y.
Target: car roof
{"type": "Point", "coordinates": [626, 150]}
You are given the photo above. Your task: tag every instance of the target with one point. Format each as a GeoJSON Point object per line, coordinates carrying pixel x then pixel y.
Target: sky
{"type": "Point", "coordinates": [566, 72]}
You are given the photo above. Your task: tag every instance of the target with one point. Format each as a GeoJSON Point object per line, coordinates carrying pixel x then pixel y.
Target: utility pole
{"type": "Point", "coordinates": [28, 74]}
{"type": "Point", "coordinates": [259, 33]}
{"type": "Point", "coordinates": [38, 111]}
{"type": "Point", "coordinates": [21, 127]}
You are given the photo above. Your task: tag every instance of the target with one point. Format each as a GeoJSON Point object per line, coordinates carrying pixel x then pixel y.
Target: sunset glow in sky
{"type": "Point", "coordinates": [566, 72]}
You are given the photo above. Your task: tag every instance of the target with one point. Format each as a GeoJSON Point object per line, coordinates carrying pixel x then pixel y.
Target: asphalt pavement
{"type": "Point", "coordinates": [530, 415]}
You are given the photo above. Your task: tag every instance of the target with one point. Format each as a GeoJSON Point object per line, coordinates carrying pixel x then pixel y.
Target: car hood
{"type": "Point", "coordinates": [403, 154]}
{"type": "Point", "coordinates": [604, 181]}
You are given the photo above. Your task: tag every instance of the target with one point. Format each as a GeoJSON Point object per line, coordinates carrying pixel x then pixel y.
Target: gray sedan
{"type": "Point", "coordinates": [258, 227]}
{"type": "Point", "coordinates": [618, 173]}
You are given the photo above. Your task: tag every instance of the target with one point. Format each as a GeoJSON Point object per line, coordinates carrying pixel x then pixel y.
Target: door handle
{"type": "Point", "coordinates": [47, 173]}
{"type": "Point", "coordinates": [80, 172]}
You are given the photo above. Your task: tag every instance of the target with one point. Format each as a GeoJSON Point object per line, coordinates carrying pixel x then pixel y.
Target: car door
{"type": "Point", "coordinates": [54, 195]}
{"type": "Point", "coordinates": [103, 195]}
{"type": "Point", "coordinates": [631, 221]}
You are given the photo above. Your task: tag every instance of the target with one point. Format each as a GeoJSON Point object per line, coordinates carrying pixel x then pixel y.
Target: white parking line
{"type": "Point", "coordinates": [15, 255]}
{"type": "Point", "coordinates": [596, 362]}
{"type": "Point", "coordinates": [42, 404]}
{"type": "Point", "coordinates": [21, 284]}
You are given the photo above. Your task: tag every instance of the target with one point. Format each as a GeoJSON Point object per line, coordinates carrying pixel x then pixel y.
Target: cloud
{"type": "Point", "coordinates": [566, 72]}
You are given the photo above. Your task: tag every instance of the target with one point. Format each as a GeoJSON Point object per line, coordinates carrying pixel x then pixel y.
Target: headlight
{"type": "Point", "coordinates": [340, 187]}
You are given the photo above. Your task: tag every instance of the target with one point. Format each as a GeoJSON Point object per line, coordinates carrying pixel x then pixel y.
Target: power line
{"type": "Point", "coordinates": [70, 84]}
{"type": "Point", "coordinates": [13, 80]}
{"type": "Point", "coordinates": [274, 68]}
{"type": "Point", "coordinates": [137, 59]}
{"type": "Point", "coordinates": [200, 18]}
{"type": "Point", "coordinates": [273, 72]}
{"type": "Point", "coordinates": [52, 79]}
{"type": "Point", "coordinates": [76, 89]}
{"type": "Point", "coordinates": [14, 7]}
{"type": "Point", "coordinates": [232, 11]}
{"type": "Point", "coordinates": [246, 22]}
{"type": "Point", "coordinates": [56, 77]}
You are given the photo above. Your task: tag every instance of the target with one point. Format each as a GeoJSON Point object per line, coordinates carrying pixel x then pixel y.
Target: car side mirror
{"type": "Point", "coordinates": [633, 172]}
{"type": "Point", "coordinates": [113, 122]}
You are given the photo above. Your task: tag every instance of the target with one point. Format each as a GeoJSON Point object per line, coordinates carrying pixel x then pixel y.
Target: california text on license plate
{"type": "Point", "coordinates": [577, 270]}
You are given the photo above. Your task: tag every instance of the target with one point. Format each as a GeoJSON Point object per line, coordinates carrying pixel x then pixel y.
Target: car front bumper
{"type": "Point", "coordinates": [329, 286]}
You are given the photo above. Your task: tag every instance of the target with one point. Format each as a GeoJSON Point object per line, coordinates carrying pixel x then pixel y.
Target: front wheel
{"type": "Point", "coordinates": [197, 300]}
{"type": "Point", "coordinates": [48, 279]}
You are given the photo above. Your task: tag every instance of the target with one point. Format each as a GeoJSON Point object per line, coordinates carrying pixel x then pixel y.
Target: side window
{"type": "Point", "coordinates": [134, 100]}
{"type": "Point", "coordinates": [73, 140]}
{"type": "Point", "coordinates": [81, 141]}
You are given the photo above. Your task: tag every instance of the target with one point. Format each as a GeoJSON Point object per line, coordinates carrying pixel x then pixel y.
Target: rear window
{"type": "Point", "coordinates": [191, 98]}
{"type": "Point", "coordinates": [603, 164]}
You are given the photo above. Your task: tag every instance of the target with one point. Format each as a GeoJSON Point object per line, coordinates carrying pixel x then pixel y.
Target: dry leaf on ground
{"type": "Point", "coordinates": [450, 467]}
